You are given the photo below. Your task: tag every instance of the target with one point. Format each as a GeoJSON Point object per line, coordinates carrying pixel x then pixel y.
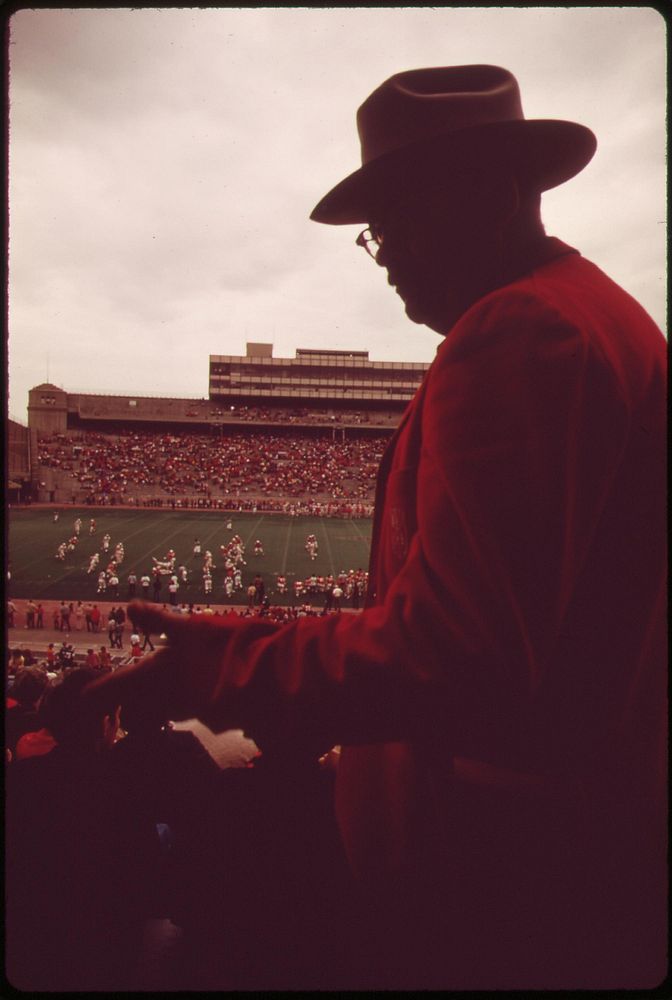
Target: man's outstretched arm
{"type": "Point", "coordinates": [471, 610]}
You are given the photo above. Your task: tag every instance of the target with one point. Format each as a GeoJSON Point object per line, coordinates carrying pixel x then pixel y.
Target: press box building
{"type": "Point", "coordinates": [343, 379]}
{"type": "Point", "coordinates": [344, 388]}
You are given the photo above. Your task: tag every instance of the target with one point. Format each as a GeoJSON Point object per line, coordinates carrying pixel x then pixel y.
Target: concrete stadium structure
{"type": "Point", "coordinates": [343, 391]}
{"type": "Point", "coordinates": [335, 378]}
{"type": "Point", "coordinates": [342, 388]}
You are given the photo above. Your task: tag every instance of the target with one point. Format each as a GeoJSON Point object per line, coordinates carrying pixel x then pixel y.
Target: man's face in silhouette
{"type": "Point", "coordinates": [442, 250]}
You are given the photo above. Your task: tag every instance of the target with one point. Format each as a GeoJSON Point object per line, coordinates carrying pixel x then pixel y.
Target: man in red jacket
{"type": "Point", "coordinates": [500, 700]}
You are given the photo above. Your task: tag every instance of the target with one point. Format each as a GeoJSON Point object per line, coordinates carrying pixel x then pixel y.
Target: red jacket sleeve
{"type": "Point", "coordinates": [524, 424]}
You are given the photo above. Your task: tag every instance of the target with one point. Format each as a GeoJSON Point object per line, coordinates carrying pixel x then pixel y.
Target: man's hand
{"type": "Point", "coordinates": [177, 681]}
{"type": "Point", "coordinates": [214, 669]}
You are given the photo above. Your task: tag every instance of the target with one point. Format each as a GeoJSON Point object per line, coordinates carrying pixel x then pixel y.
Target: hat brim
{"type": "Point", "coordinates": [543, 153]}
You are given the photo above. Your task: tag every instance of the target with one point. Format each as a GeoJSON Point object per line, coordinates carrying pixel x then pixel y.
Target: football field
{"type": "Point", "coordinates": [33, 539]}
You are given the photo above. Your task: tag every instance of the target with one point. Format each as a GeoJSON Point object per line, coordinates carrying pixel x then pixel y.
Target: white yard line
{"type": "Point", "coordinates": [253, 531]}
{"type": "Point", "coordinates": [283, 567]}
{"type": "Point", "coordinates": [328, 548]}
{"type": "Point", "coordinates": [359, 531]}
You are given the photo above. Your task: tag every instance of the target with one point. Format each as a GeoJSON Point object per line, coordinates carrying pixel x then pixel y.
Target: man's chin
{"type": "Point", "coordinates": [415, 317]}
{"type": "Point", "coordinates": [414, 310]}
{"type": "Point", "coordinates": [422, 316]}
{"type": "Point", "coordinates": [438, 317]}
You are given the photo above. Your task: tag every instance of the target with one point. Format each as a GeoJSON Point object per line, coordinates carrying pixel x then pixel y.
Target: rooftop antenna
{"type": "Point", "coordinates": [47, 366]}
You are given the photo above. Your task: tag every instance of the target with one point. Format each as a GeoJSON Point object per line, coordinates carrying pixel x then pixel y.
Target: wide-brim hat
{"type": "Point", "coordinates": [437, 122]}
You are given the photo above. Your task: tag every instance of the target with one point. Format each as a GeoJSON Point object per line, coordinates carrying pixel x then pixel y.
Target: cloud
{"type": "Point", "coordinates": [163, 165]}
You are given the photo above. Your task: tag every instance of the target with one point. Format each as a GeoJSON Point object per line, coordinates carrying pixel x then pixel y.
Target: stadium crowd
{"type": "Point", "coordinates": [300, 471]}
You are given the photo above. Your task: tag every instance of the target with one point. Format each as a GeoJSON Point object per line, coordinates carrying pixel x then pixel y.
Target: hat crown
{"type": "Point", "coordinates": [443, 118]}
{"type": "Point", "coordinates": [424, 103]}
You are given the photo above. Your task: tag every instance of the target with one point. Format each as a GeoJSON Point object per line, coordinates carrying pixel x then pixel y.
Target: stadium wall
{"type": "Point", "coordinates": [21, 455]}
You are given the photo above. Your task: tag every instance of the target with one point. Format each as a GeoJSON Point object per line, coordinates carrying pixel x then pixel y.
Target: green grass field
{"type": "Point", "coordinates": [36, 573]}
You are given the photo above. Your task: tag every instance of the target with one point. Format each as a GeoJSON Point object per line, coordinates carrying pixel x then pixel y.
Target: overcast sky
{"type": "Point", "coordinates": [163, 165]}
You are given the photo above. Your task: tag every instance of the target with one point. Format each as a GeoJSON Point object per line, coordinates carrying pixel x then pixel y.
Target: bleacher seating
{"type": "Point", "coordinates": [233, 470]}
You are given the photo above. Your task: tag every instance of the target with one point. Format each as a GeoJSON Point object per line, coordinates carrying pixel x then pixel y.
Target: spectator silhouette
{"type": "Point", "coordinates": [29, 685]}
{"type": "Point", "coordinates": [500, 702]}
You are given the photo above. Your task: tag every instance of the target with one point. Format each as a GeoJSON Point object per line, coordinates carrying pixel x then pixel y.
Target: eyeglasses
{"type": "Point", "coordinates": [409, 214]}
{"type": "Point", "coordinates": [371, 240]}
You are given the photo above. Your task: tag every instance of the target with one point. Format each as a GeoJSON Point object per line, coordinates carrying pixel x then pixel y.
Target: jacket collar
{"type": "Point", "coordinates": [538, 253]}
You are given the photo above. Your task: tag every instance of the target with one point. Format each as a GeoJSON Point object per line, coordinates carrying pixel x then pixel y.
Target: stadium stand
{"type": "Point", "coordinates": [230, 470]}
{"type": "Point", "coordinates": [300, 435]}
